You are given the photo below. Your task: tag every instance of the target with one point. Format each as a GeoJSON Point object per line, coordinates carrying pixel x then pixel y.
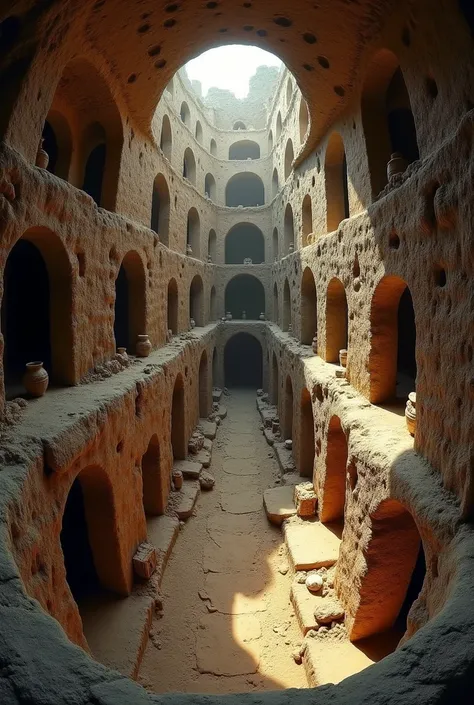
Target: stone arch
{"type": "Point", "coordinates": [213, 304]}
{"type": "Point", "coordinates": [332, 486]}
{"type": "Point", "coordinates": [309, 307]}
{"type": "Point", "coordinates": [243, 346]}
{"type": "Point", "coordinates": [95, 163]}
{"type": "Point", "coordinates": [215, 368]}
{"type": "Point", "coordinates": [244, 292]}
{"type": "Point", "coordinates": [275, 380]}
{"type": "Point", "coordinates": [193, 233]}
{"type": "Point", "coordinates": [289, 91]}
{"type": "Point", "coordinates": [278, 127]}
{"type": "Point", "coordinates": [288, 410]}
{"type": "Point", "coordinates": [289, 157]}
{"type": "Point", "coordinates": [392, 340]}
{"type": "Point", "coordinates": [270, 141]}
{"type": "Point", "coordinates": [210, 187]}
{"type": "Point", "coordinates": [336, 319]}
{"type": "Point", "coordinates": [275, 252]}
{"type": "Point", "coordinates": [286, 306]}
{"type": "Point", "coordinates": [166, 138]}
{"type": "Point", "coordinates": [38, 308]}
{"type": "Point", "coordinates": [307, 219]}
{"type": "Point", "coordinates": [303, 119]}
{"type": "Point", "coordinates": [335, 176]}
{"type": "Point", "coordinates": [204, 387]}
{"type": "Point", "coordinates": [160, 209]}
{"type": "Point", "coordinates": [275, 303]}
{"type": "Point", "coordinates": [239, 125]}
{"type": "Point", "coordinates": [196, 300]}
{"type": "Point", "coordinates": [189, 166]}
{"type": "Point", "coordinates": [213, 147]}
{"type": "Point", "coordinates": [387, 117]}
{"type": "Point", "coordinates": [244, 149]}
{"type": "Point", "coordinates": [245, 189]}
{"type": "Point", "coordinates": [198, 132]}
{"type": "Point", "coordinates": [172, 307]}
{"type": "Point", "coordinates": [244, 240]}
{"type": "Point", "coordinates": [154, 493]}
{"type": "Point", "coordinates": [178, 420]}
{"type": "Point", "coordinates": [185, 114]}
{"type": "Point", "coordinates": [58, 144]}
{"type": "Point", "coordinates": [275, 183]}
{"type": "Point", "coordinates": [306, 435]}
{"type": "Point", "coordinates": [130, 301]}
{"type": "Point", "coordinates": [212, 245]}
{"type": "Point", "coordinates": [289, 230]}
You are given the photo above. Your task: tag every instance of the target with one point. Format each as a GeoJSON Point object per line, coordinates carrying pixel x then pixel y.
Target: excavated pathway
{"type": "Point", "coordinates": [228, 624]}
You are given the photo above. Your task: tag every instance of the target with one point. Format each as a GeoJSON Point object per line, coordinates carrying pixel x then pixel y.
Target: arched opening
{"type": "Point", "coordinates": [166, 138]}
{"type": "Point", "coordinates": [94, 172]}
{"type": "Point", "coordinates": [204, 389]}
{"type": "Point", "coordinates": [198, 132]}
{"type": "Point", "coordinates": [160, 209]}
{"type": "Point", "coordinates": [170, 87]}
{"type": "Point", "coordinates": [467, 10]}
{"type": "Point", "coordinates": [286, 306]}
{"type": "Point", "coordinates": [332, 486]}
{"type": "Point", "coordinates": [270, 141]}
{"type": "Point", "coordinates": [130, 301]}
{"type": "Point", "coordinates": [289, 231]}
{"type": "Point", "coordinates": [275, 303]}
{"type": "Point", "coordinates": [303, 119]}
{"type": "Point", "coordinates": [212, 245]}
{"type": "Point", "coordinates": [243, 362]}
{"type": "Point", "coordinates": [243, 241]}
{"type": "Point", "coordinates": [244, 149]}
{"type": "Point", "coordinates": [189, 166]}
{"type": "Point", "coordinates": [58, 144]}
{"type": "Point", "coordinates": [336, 320]}
{"type": "Point", "coordinates": [239, 125]}
{"type": "Point", "coordinates": [275, 381]}
{"type": "Point", "coordinates": [213, 304]}
{"type": "Point", "coordinates": [275, 183]}
{"type": "Point", "coordinates": [178, 420]}
{"type": "Point", "coordinates": [152, 480]}
{"type": "Point", "coordinates": [288, 415]}
{"type": "Point", "coordinates": [309, 307]}
{"type": "Point", "coordinates": [193, 233]}
{"type": "Point", "coordinates": [387, 118]}
{"type": "Point", "coordinates": [278, 127]}
{"type": "Point", "coordinates": [306, 453]}
{"type": "Point", "coordinates": [289, 91]}
{"type": "Point", "coordinates": [275, 244]}
{"type": "Point", "coordinates": [289, 156]}
{"type": "Point", "coordinates": [215, 368]}
{"type": "Point", "coordinates": [335, 175]}
{"type": "Point", "coordinates": [394, 568]}
{"type": "Point", "coordinates": [213, 147]}
{"type": "Point", "coordinates": [245, 189]}
{"type": "Point", "coordinates": [37, 309]}
{"type": "Point", "coordinates": [90, 538]}
{"type": "Point", "coordinates": [196, 300]}
{"type": "Point", "coordinates": [172, 309]}
{"type": "Point", "coordinates": [210, 187]}
{"type": "Point", "coordinates": [185, 114]}
{"type": "Point", "coordinates": [392, 361]}
{"type": "Point", "coordinates": [307, 218]}
{"type": "Point", "coordinates": [245, 293]}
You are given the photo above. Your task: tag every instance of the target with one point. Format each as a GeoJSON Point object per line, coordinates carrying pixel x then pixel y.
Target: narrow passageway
{"type": "Point", "coordinates": [228, 625]}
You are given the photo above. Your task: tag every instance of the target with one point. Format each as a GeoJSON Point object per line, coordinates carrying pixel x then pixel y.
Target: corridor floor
{"type": "Point", "coordinates": [228, 625]}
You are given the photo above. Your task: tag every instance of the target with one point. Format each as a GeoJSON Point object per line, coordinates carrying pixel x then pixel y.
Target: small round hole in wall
{"type": "Point", "coordinates": [393, 241]}
{"type": "Point", "coordinates": [431, 87]}
{"type": "Point", "coordinates": [313, 181]}
{"type": "Point", "coordinates": [440, 277]}
{"type": "Point", "coordinates": [119, 447]}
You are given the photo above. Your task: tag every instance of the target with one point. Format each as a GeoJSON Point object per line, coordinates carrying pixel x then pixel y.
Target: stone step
{"type": "Point", "coordinates": [162, 533]}
{"type": "Point", "coordinates": [216, 394]}
{"type": "Point", "coordinates": [203, 457]}
{"type": "Point", "coordinates": [186, 498]}
{"type": "Point", "coordinates": [208, 445]}
{"type": "Point", "coordinates": [279, 505]}
{"type": "Point", "coordinates": [306, 603]}
{"type": "Point", "coordinates": [191, 469]}
{"type": "Point", "coordinates": [208, 428]}
{"type": "Point", "coordinates": [222, 412]}
{"type": "Point", "coordinates": [284, 457]}
{"type": "Point", "coordinates": [269, 437]}
{"type": "Point", "coordinates": [311, 544]}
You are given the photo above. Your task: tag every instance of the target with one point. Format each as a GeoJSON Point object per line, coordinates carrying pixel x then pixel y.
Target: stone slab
{"type": "Point", "coordinates": [240, 452]}
{"type": "Point", "coordinates": [236, 594]}
{"type": "Point", "coordinates": [229, 553]}
{"type": "Point", "coordinates": [243, 467]}
{"type": "Point", "coordinates": [278, 503]}
{"type": "Point", "coordinates": [304, 603]}
{"type": "Point", "coordinates": [208, 445]}
{"type": "Point", "coordinates": [232, 524]}
{"type": "Point", "coordinates": [268, 435]}
{"type": "Point", "coordinates": [243, 502]}
{"type": "Point", "coordinates": [284, 457]}
{"type": "Point", "coordinates": [216, 394]}
{"type": "Point", "coordinates": [186, 499]}
{"type": "Point", "coordinates": [311, 544]}
{"type": "Point", "coordinates": [291, 478]}
{"type": "Point", "coordinates": [209, 428]}
{"type": "Point", "coordinates": [222, 413]}
{"type": "Point", "coordinates": [203, 457]}
{"type": "Point", "coordinates": [191, 469]}
{"type": "Point", "coordinates": [228, 645]}
{"type": "Point", "coordinates": [162, 533]}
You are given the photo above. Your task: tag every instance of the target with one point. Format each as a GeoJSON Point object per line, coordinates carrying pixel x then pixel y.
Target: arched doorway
{"type": "Point", "coordinates": [196, 300]}
{"type": "Point", "coordinates": [289, 230]}
{"type": "Point", "coordinates": [160, 209]}
{"type": "Point", "coordinates": [306, 449]}
{"type": "Point", "coordinates": [243, 362]}
{"type": "Point", "coordinates": [210, 187]}
{"type": "Point", "coordinates": [130, 302]}
{"type": "Point", "coordinates": [245, 293]}
{"type": "Point", "coordinates": [166, 138]}
{"type": "Point", "coordinates": [270, 142]}
{"type": "Point", "coordinates": [275, 183]}
{"type": "Point", "coordinates": [303, 120]}
{"type": "Point", "coordinates": [212, 245]}
{"type": "Point", "coordinates": [58, 144]}
{"type": "Point", "coordinates": [332, 485]}
{"type": "Point", "coordinates": [309, 307]}
{"type": "Point", "coordinates": [286, 306]}
{"type": "Point", "coordinates": [289, 157]}
{"type": "Point", "coordinates": [275, 244]}
{"type": "Point", "coordinates": [185, 114]}
{"type": "Point", "coordinates": [275, 381]}
{"type": "Point", "coordinates": [278, 127]}
{"type": "Point", "coordinates": [244, 240]}
{"type": "Point", "coordinates": [152, 480]}
{"type": "Point", "coordinates": [173, 306]}
{"type": "Point", "coordinates": [245, 189]}
{"type": "Point", "coordinates": [288, 410]}
{"type": "Point", "coordinates": [215, 368]}
{"type": "Point", "coordinates": [307, 218]}
{"type": "Point", "coordinates": [198, 132]}
{"type": "Point", "coordinates": [213, 304]}
{"type": "Point", "coordinates": [244, 149]}
{"type": "Point", "coordinates": [189, 166]}
{"type": "Point", "coordinates": [178, 420]}
{"type": "Point", "coordinates": [336, 320]}
{"type": "Point", "coordinates": [204, 387]}
{"type": "Point", "coordinates": [213, 147]}
{"type": "Point", "coordinates": [94, 172]}
{"type": "Point", "coordinates": [335, 175]}
{"type": "Point", "coordinates": [275, 310]}
{"type": "Point", "coordinates": [193, 233]}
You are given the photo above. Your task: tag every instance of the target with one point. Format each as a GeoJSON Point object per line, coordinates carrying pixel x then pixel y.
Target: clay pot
{"type": "Point", "coordinates": [209, 258]}
{"type": "Point", "coordinates": [343, 357]}
{"type": "Point", "coordinates": [189, 250]}
{"type": "Point", "coordinates": [143, 346]}
{"type": "Point", "coordinates": [122, 352]}
{"type": "Point", "coordinates": [314, 344]}
{"type": "Point", "coordinates": [42, 156]}
{"type": "Point", "coordinates": [192, 323]}
{"type": "Point", "coordinates": [177, 479]}
{"type": "Point", "coordinates": [244, 315]}
{"type": "Point", "coordinates": [291, 248]}
{"type": "Point", "coordinates": [262, 317]}
{"type": "Point", "coordinates": [228, 316]}
{"type": "Point", "coordinates": [36, 379]}
{"type": "Point", "coordinates": [396, 165]}
{"type": "Point", "coordinates": [410, 413]}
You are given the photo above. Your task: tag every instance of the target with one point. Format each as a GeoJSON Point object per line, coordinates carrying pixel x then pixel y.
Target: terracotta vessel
{"type": "Point", "coordinates": [314, 344]}
{"type": "Point", "coordinates": [143, 346]}
{"type": "Point", "coordinates": [262, 316]}
{"type": "Point", "coordinates": [189, 250]}
{"type": "Point", "coordinates": [36, 379]}
{"type": "Point", "coordinates": [177, 479]}
{"type": "Point", "coordinates": [396, 165]}
{"type": "Point", "coordinates": [42, 156]}
{"type": "Point", "coordinates": [343, 357]}
{"type": "Point", "coordinates": [410, 413]}
{"type": "Point", "coordinates": [192, 323]}
{"type": "Point", "coordinates": [122, 352]}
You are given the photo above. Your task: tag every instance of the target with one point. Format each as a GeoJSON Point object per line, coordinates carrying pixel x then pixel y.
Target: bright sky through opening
{"type": "Point", "coordinates": [229, 67]}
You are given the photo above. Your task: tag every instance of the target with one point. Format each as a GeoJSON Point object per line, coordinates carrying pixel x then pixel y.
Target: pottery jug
{"type": "Point", "coordinates": [35, 379]}
{"type": "Point", "coordinates": [396, 165]}
{"type": "Point", "coordinates": [143, 346]}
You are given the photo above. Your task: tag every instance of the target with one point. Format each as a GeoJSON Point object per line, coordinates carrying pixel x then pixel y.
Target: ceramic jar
{"type": "Point", "coordinates": [189, 249]}
{"type": "Point", "coordinates": [177, 479]}
{"type": "Point", "coordinates": [122, 352]}
{"type": "Point", "coordinates": [143, 346]}
{"type": "Point", "coordinates": [343, 357]}
{"type": "Point", "coordinates": [396, 165]}
{"type": "Point", "coordinates": [262, 316]}
{"type": "Point", "coordinates": [410, 413]}
{"type": "Point", "coordinates": [209, 259]}
{"type": "Point", "coordinates": [314, 344]}
{"type": "Point", "coordinates": [192, 323]}
{"type": "Point", "coordinates": [244, 315]}
{"type": "Point", "coordinates": [228, 316]}
{"type": "Point", "coordinates": [36, 379]}
{"type": "Point", "coordinates": [42, 156]}
{"type": "Point", "coordinates": [291, 248]}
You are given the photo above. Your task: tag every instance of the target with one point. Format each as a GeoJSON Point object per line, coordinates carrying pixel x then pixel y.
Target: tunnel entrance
{"type": "Point", "coordinates": [243, 362]}
{"type": "Point", "coordinates": [245, 293]}
{"type": "Point", "coordinates": [242, 241]}
{"type": "Point", "coordinates": [94, 173]}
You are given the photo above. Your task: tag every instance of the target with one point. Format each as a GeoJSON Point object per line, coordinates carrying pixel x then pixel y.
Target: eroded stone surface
{"type": "Point", "coordinates": [279, 504]}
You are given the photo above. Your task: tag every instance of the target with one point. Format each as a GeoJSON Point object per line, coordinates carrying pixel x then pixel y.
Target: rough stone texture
{"type": "Point", "coordinates": [279, 504]}
{"type": "Point", "coordinates": [185, 499]}
{"type": "Point", "coordinates": [305, 499]}
{"type": "Point", "coordinates": [327, 610]}
{"type": "Point", "coordinates": [311, 544]}
{"type": "Point", "coordinates": [191, 469]}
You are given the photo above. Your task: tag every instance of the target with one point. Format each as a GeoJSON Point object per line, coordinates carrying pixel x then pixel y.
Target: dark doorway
{"type": "Point", "coordinates": [242, 241]}
{"type": "Point", "coordinates": [243, 364]}
{"type": "Point", "coordinates": [121, 322]}
{"type": "Point", "coordinates": [94, 173]}
{"type": "Point", "coordinates": [414, 588]}
{"type": "Point", "coordinates": [406, 356]}
{"type": "Point", "coordinates": [246, 190]}
{"type": "Point", "coordinates": [50, 144]}
{"type": "Point", "coordinates": [245, 293]}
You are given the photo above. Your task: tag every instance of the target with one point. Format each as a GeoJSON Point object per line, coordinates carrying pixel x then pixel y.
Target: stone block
{"type": "Point", "coordinates": [278, 503]}
{"type": "Point", "coordinates": [187, 499]}
{"type": "Point", "coordinates": [305, 499]}
{"type": "Point", "coordinates": [190, 469]}
{"type": "Point", "coordinates": [311, 544]}
{"type": "Point", "coordinates": [144, 560]}
{"type": "Point", "coordinates": [208, 428]}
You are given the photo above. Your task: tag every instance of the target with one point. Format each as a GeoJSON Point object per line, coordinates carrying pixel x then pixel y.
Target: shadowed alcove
{"type": "Point", "coordinates": [130, 302]}
{"type": "Point", "coordinates": [335, 175]}
{"type": "Point", "coordinates": [244, 240]}
{"type": "Point", "coordinates": [336, 320]}
{"type": "Point", "coordinates": [309, 308]}
{"type": "Point", "coordinates": [243, 361]}
{"type": "Point", "coordinates": [152, 481]}
{"type": "Point", "coordinates": [178, 420]}
{"type": "Point", "coordinates": [245, 293]}
{"type": "Point", "coordinates": [244, 149]}
{"type": "Point", "coordinates": [245, 189]}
